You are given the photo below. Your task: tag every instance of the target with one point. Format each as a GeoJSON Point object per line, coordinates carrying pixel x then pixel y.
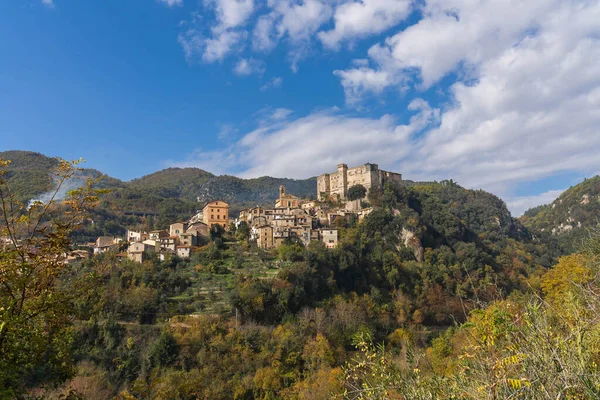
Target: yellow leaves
{"type": "Point", "coordinates": [508, 361]}
{"type": "Point", "coordinates": [570, 272]}
{"type": "Point", "coordinates": [518, 383]}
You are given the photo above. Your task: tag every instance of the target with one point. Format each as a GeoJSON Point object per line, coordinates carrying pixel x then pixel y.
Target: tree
{"type": "Point", "coordinates": [356, 192]}
{"type": "Point", "coordinates": [216, 232]}
{"type": "Point", "coordinates": [36, 287]}
{"type": "Point", "coordinates": [243, 231]}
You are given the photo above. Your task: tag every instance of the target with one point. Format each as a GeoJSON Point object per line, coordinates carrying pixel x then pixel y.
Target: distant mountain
{"type": "Point", "coordinates": [29, 174]}
{"type": "Point", "coordinates": [569, 216]}
{"type": "Point", "coordinates": [170, 194]}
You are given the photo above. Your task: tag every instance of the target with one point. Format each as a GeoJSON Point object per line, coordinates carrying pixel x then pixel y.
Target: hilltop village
{"type": "Point", "coordinates": [340, 195]}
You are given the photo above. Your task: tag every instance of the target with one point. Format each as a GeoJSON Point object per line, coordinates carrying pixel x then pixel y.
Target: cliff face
{"type": "Point", "coordinates": [410, 240]}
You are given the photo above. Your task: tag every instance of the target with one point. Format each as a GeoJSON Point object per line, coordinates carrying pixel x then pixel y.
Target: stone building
{"type": "Point", "coordinates": [329, 236]}
{"type": "Point", "coordinates": [136, 251]}
{"type": "Point", "coordinates": [335, 185]}
{"type": "Point", "coordinates": [286, 199]}
{"type": "Point", "coordinates": [216, 213]}
{"type": "Point", "coordinates": [178, 228]}
{"type": "Point", "coordinates": [264, 236]}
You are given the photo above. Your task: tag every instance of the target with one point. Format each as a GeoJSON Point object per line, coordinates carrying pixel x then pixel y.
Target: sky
{"type": "Point", "coordinates": [500, 95]}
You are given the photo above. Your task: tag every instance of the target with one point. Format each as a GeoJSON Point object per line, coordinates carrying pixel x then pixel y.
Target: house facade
{"type": "Point", "coordinates": [216, 213]}
{"type": "Point", "coordinates": [329, 236]}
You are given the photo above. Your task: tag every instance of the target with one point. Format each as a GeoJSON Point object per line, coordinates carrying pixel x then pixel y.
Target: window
{"type": "Point", "coordinates": [330, 241]}
{"type": "Point", "coordinates": [212, 216]}
{"type": "Point", "coordinates": [218, 216]}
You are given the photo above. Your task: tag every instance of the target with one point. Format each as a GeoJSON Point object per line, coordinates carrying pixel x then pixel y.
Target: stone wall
{"type": "Point", "coordinates": [335, 185]}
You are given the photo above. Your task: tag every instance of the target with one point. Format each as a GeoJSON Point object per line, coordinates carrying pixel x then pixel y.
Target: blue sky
{"type": "Point", "coordinates": [497, 94]}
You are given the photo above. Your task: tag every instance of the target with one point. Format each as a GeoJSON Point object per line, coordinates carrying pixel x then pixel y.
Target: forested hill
{"type": "Point", "coordinates": [171, 193]}
{"type": "Point", "coordinates": [570, 216]}
{"type": "Point", "coordinates": [29, 173]}
{"type": "Point", "coordinates": [192, 184]}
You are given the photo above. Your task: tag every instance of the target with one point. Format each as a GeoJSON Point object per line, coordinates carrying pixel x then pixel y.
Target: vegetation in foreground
{"type": "Point", "coordinates": [479, 317]}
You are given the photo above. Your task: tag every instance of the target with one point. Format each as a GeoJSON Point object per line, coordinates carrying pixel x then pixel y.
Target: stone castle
{"type": "Point", "coordinates": [336, 184]}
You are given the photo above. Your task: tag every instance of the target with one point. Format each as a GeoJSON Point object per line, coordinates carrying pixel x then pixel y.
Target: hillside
{"type": "Point", "coordinates": [29, 174]}
{"type": "Point", "coordinates": [234, 318]}
{"type": "Point", "coordinates": [195, 185]}
{"type": "Point", "coordinates": [167, 195]}
{"type": "Point", "coordinates": [570, 215]}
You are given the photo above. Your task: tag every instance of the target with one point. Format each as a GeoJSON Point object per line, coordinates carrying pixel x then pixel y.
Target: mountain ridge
{"type": "Point", "coordinates": [570, 215]}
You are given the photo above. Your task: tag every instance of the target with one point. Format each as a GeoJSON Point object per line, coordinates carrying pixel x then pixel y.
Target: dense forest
{"type": "Point", "coordinates": [438, 293]}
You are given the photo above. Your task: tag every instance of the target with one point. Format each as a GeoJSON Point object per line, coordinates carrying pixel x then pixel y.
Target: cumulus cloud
{"type": "Point", "coordinates": [358, 82]}
{"type": "Point", "coordinates": [357, 19]}
{"type": "Point", "coordinates": [524, 103]}
{"type": "Point", "coordinates": [171, 3]}
{"type": "Point", "coordinates": [298, 24]}
{"type": "Point", "coordinates": [231, 13]}
{"type": "Point", "coordinates": [321, 140]}
{"type": "Point", "coordinates": [249, 66]}
{"type": "Point", "coordinates": [224, 37]}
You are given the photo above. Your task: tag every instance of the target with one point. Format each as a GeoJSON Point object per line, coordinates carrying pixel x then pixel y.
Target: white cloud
{"type": "Point", "coordinates": [48, 3]}
{"type": "Point", "coordinates": [280, 114]}
{"type": "Point", "coordinates": [296, 21]}
{"type": "Point", "coordinates": [518, 205]}
{"type": "Point", "coordinates": [361, 18]}
{"type": "Point", "coordinates": [319, 141]}
{"type": "Point", "coordinates": [528, 103]}
{"type": "Point", "coordinates": [231, 13]}
{"type": "Point", "coordinates": [171, 3]}
{"type": "Point", "coordinates": [272, 84]}
{"type": "Point", "coordinates": [524, 105]}
{"type": "Point", "coordinates": [249, 66]}
{"type": "Point", "coordinates": [196, 46]}
{"type": "Point", "coordinates": [357, 82]}
{"type": "Point", "coordinates": [222, 38]}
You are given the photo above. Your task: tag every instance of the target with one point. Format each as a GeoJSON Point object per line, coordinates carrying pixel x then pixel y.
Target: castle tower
{"type": "Point", "coordinates": [343, 173]}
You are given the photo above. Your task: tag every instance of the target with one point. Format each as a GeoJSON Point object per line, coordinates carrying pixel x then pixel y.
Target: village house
{"type": "Point", "coordinates": [199, 229]}
{"type": "Point", "coordinates": [281, 235]}
{"type": "Point", "coordinates": [168, 243]}
{"type": "Point", "coordinates": [136, 251]}
{"type": "Point", "coordinates": [157, 235]}
{"type": "Point", "coordinates": [216, 213]}
{"type": "Point", "coordinates": [264, 236]}
{"type": "Point", "coordinates": [188, 239]}
{"type": "Point", "coordinates": [183, 251]}
{"type": "Point", "coordinates": [178, 228]}
{"type": "Point", "coordinates": [134, 236]}
{"type": "Point", "coordinates": [106, 243]}
{"type": "Point", "coordinates": [308, 205]}
{"type": "Point", "coordinates": [329, 236]}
